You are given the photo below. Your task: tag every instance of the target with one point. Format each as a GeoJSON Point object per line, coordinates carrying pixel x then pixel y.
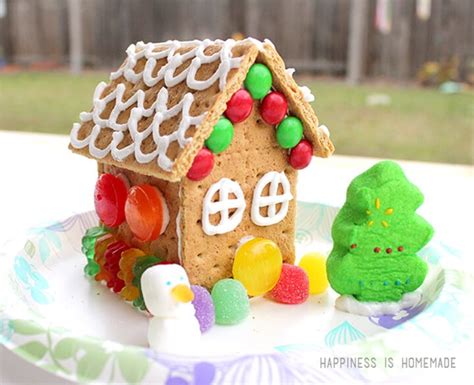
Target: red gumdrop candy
{"type": "Point", "coordinates": [292, 287]}
{"type": "Point", "coordinates": [273, 108]}
{"type": "Point", "coordinates": [202, 165]}
{"type": "Point", "coordinates": [109, 199]}
{"type": "Point", "coordinates": [301, 154]}
{"type": "Point", "coordinates": [118, 285]}
{"type": "Point", "coordinates": [239, 106]}
{"type": "Point", "coordinates": [112, 256]}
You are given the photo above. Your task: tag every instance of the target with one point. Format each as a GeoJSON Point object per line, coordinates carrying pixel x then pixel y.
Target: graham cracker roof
{"type": "Point", "coordinates": [163, 102]}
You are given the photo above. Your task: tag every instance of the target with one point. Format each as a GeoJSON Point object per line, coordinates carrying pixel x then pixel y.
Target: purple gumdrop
{"type": "Point", "coordinates": [204, 307]}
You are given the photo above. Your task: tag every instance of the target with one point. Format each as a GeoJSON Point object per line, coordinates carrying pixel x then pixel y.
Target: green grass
{"type": "Point", "coordinates": [45, 102]}
{"type": "Point", "coordinates": [419, 124]}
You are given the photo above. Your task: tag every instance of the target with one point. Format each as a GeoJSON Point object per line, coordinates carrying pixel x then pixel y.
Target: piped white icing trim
{"type": "Point", "coordinates": [290, 71]}
{"type": "Point", "coordinates": [349, 304]}
{"type": "Point", "coordinates": [324, 130]}
{"type": "Point", "coordinates": [227, 222]}
{"type": "Point", "coordinates": [272, 200]}
{"type": "Point", "coordinates": [307, 94]}
{"type": "Point", "coordinates": [260, 44]}
{"type": "Point", "coordinates": [158, 110]}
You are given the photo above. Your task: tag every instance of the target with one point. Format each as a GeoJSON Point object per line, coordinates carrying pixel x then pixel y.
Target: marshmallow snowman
{"type": "Point", "coordinates": [173, 327]}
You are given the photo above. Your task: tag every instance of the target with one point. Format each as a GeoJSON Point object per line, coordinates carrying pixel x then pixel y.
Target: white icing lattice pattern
{"type": "Point", "coordinates": [274, 179]}
{"type": "Point", "coordinates": [228, 222]}
{"type": "Point", "coordinates": [158, 109]}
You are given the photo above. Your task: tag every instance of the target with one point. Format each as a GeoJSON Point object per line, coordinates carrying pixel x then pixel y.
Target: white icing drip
{"type": "Point", "coordinates": [158, 110]}
{"type": "Point", "coordinates": [324, 130]}
{"type": "Point", "coordinates": [349, 304]}
{"type": "Point", "coordinates": [290, 71]}
{"type": "Point", "coordinates": [307, 94]}
{"type": "Point", "coordinates": [227, 222]}
{"type": "Point", "coordinates": [272, 200]}
{"type": "Point", "coordinates": [260, 44]}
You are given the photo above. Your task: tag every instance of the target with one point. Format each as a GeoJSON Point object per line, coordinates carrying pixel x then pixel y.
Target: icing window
{"type": "Point", "coordinates": [271, 199]}
{"type": "Point", "coordinates": [223, 207]}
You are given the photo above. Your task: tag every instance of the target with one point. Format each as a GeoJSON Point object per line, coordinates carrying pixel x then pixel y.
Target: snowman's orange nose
{"type": "Point", "coordinates": [182, 293]}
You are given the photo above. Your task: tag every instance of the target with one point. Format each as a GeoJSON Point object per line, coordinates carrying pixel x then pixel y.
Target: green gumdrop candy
{"type": "Point", "coordinates": [221, 136]}
{"type": "Point", "coordinates": [231, 302]}
{"type": "Point", "coordinates": [139, 303]}
{"type": "Point", "coordinates": [289, 132]}
{"type": "Point", "coordinates": [141, 264]}
{"type": "Point", "coordinates": [258, 81]}
{"type": "Point", "coordinates": [87, 248]}
{"type": "Point", "coordinates": [89, 239]}
{"type": "Point", "coordinates": [376, 237]}
{"type": "Point", "coordinates": [92, 268]}
{"type": "Point", "coordinates": [96, 231]}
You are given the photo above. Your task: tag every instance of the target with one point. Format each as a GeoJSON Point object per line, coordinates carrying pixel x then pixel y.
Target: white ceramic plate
{"type": "Point", "coordinates": [56, 318]}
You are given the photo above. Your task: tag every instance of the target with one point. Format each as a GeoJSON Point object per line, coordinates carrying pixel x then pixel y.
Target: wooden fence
{"type": "Point", "coordinates": [310, 34]}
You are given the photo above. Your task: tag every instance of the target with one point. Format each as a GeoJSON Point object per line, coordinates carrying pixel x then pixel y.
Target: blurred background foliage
{"type": "Point", "coordinates": [392, 78]}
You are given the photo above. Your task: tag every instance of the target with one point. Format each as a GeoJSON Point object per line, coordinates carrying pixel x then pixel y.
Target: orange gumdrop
{"type": "Point", "coordinates": [99, 251]}
{"type": "Point", "coordinates": [126, 263]}
{"type": "Point", "coordinates": [146, 212]}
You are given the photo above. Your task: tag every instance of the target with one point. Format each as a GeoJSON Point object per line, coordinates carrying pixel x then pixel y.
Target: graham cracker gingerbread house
{"type": "Point", "coordinates": [198, 145]}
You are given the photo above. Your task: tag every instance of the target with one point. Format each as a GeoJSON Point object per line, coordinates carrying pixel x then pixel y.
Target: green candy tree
{"type": "Point", "coordinates": [376, 237]}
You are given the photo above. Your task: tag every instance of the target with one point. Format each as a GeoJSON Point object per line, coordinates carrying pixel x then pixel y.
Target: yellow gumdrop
{"type": "Point", "coordinates": [126, 263]}
{"type": "Point", "coordinates": [129, 293]}
{"type": "Point", "coordinates": [315, 266]}
{"type": "Point", "coordinates": [99, 251]}
{"type": "Point", "coordinates": [257, 265]}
